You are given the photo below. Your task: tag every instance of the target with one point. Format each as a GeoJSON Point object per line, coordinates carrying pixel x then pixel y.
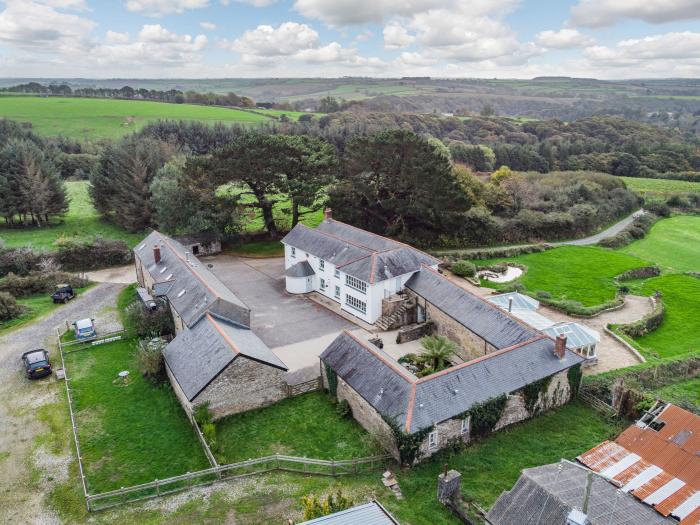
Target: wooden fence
{"type": "Point", "coordinates": [597, 404]}
{"type": "Point", "coordinates": [302, 388]}
{"type": "Point", "coordinates": [278, 462]}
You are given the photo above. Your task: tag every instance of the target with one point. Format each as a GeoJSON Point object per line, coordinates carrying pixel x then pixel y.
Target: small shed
{"type": "Point", "coordinates": [203, 243]}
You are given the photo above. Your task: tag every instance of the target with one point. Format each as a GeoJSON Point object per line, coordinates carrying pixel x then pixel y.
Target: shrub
{"type": "Point", "coordinates": [9, 309]}
{"type": "Point", "coordinates": [542, 294]}
{"type": "Point", "coordinates": [648, 323]}
{"type": "Point", "coordinates": [658, 208]}
{"type": "Point", "coordinates": [92, 254]}
{"type": "Point", "coordinates": [149, 323]}
{"type": "Point", "coordinates": [39, 282]}
{"type": "Point", "coordinates": [464, 268]}
{"type": "Point", "coordinates": [209, 433]}
{"type": "Point", "coordinates": [484, 416]}
{"type": "Point", "coordinates": [203, 414]}
{"type": "Point", "coordinates": [149, 357]}
{"type": "Point", "coordinates": [19, 261]}
{"type": "Point", "coordinates": [317, 508]}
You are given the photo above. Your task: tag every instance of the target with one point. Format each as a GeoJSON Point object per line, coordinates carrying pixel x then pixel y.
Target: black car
{"type": "Point", "coordinates": [36, 363]}
{"type": "Point", "coordinates": [63, 293]}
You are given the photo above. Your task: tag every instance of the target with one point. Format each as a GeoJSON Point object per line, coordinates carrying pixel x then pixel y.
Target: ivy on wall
{"type": "Point", "coordinates": [407, 443]}
{"type": "Point", "coordinates": [332, 378]}
{"type": "Point", "coordinates": [574, 375]}
{"type": "Point", "coordinates": [485, 415]}
{"type": "Point", "coordinates": [533, 391]}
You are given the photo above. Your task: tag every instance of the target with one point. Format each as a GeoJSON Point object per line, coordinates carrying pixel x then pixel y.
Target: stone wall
{"type": "Point", "coordinates": [244, 385]}
{"type": "Point", "coordinates": [179, 393]}
{"type": "Point", "coordinates": [414, 332]}
{"type": "Point", "coordinates": [448, 431]}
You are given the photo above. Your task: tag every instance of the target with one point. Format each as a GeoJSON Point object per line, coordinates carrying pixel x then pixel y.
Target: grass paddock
{"type": "Point", "coordinates": [673, 243]}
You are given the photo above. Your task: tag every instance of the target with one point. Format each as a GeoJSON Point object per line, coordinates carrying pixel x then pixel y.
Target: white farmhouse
{"type": "Point", "coordinates": [353, 267]}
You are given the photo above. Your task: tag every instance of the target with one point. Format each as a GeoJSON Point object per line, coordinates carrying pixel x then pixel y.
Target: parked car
{"type": "Point", "coordinates": [63, 293]}
{"type": "Point", "coordinates": [36, 363]}
{"type": "Point", "coordinates": [84, 328]}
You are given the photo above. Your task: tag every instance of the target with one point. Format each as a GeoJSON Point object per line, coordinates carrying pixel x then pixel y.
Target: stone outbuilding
{"type": "Point", "coordinates": [215, 356]}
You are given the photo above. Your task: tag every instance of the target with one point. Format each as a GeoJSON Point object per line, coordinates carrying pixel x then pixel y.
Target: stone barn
{"type": "Point", "coordinates": [215, 356]}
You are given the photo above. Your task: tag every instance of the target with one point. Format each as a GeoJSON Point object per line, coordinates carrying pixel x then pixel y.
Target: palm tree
{"type": "Point", "coordinates": [438, 350]}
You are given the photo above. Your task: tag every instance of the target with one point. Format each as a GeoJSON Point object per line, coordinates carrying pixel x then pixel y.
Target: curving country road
{"type": "Point", "coordinates": [610, 232]}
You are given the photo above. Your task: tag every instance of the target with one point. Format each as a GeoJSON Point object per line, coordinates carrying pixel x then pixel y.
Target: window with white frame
{"type": "Point", "coordinates": [321, 264]}
{"type": "Point", "coordinates": [354, 302]}
{"type": "Point", "coordinates": [294, 251]}
{"type": "Point", "coordinates": [355, 283]}
{"type": "Point", "coordinates": [337, 292]}
{"type": "Point", "coordinates": [337, 274]}
{"type": "Point", "coordinates": [466, 424]}
{"type": "Point", "coordinates": [433, 439]}
{"type": "Point", "coordinates": [323, 284]}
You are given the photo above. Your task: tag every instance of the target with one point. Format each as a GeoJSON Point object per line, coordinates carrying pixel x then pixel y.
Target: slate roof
{"type": "Point", "coordinates": [489, 322]}
{"type": "Point", "coordinates": [300, 269]}
{"type": "Point", "coordinates": [200, 353]}
{"type": "Point", "coordinates": [361, 254]}
{"type": "Point", "coordinates": [546, 495]}
{"type": "Point", "coordinates": [368, 514]}
{"type": "Point", "coordinates": [190, 287]}
{"type": "Point", "coordinates": [419, 403]}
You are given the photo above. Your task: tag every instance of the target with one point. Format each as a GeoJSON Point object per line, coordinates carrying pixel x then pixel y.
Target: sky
{"type": "Point", "coordinates": [607, 39]}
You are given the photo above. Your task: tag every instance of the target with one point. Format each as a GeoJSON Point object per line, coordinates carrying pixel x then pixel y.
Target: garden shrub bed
{"type": "Point", "coordinates": [648, 323]}
{"type": "Point", "coordinates": [490, 253]}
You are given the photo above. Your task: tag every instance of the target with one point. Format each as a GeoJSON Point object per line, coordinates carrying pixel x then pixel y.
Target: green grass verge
{"type": "Point", "coordinates": [306, 426]}
{"type": "Point", "coordinates": [680, 331]}
{"type": "Point", "coordinates": [683, 392]}
{"type": "Point", "coordinates": [673, 243]}
{"type": "Point", "coordinates": [37, 306]}
{"type": "Point", "coordinates": [260, 249]}
{"type": "Point", "coordinates": [660, 187]}
{"type": "Point", "coordinates": [579, 273]}
{"type": "Point", "coordinates": [128, 434]}
{"type": "Point", "coordinates": [82, 221]}
{"type": "Point", "coordinates": [86, 118]}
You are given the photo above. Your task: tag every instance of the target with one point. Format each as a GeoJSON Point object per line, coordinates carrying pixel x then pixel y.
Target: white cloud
{"type": "Point", "coordinates": [666, 47]}
{"type": "Point", "coordinates": [396, 36]}
{"type": "Point", "coordinates": [599, 13]}
{"type": "Point", "coordinates": [349, 12]}
{"type": "Point", "coordinates": [363, 36]}
{"type": "Point", "coordinates": [114, 37]}
{"type": "Point", "coordinates": [164, 7]}
{"type": "Point", "coordinates": [563, 39]}
{"type": "Point", "coordinates": [209, 26]}
{"type": "Point", "coordinates": [256, 3]}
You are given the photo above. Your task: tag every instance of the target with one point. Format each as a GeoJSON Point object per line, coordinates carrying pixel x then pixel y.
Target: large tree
{"type": "Point", "coordinates": [120, 185]}
{"type": "Point", "coordinates": [398, 183]}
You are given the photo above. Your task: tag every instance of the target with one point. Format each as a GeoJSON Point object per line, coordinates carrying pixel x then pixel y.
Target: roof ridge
{"type": "Point", "coordinates": [356, 245]}
{"type": "Point", "coordinates": [395, 365]}
{"type": "Point", "coordinates": [233, 346]}
{"type": "Point", "coordinates": [410, 407]}
{"type": "Point", "coordinates": [479, 359]}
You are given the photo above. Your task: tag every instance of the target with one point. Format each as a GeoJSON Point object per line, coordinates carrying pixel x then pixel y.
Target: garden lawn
{"type": "Point", "coordinates": [37, 306]}
{"type": "Point", "coordinates": [680, 331]}
{"type": "Point", "coordinates": [128, 434]}
{"type": "Point", "coordinates": [82, 221]}
{"type": "Point", "coordinates": [95, 118]}
{"type": "Point", "coordinates": [258, 249]}
{"type": "Point", "coordinates": [579, 273]}
{"type": "Point", "coordinates": [306, 426]}
{"type": "Point", "coordinates": [673, 243]}
{"type": "Point", "coordinates": [681, 393]}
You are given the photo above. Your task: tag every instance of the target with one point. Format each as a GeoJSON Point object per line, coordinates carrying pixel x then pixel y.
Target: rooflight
{"type": "Point", "coordinates": [182, 292]}
{"type": "Point", "coordinates": [163, 269]}
{"type": "Point", "coordinates": [170, 276]}
{"type": "Point", "coordinates": [142, 247]}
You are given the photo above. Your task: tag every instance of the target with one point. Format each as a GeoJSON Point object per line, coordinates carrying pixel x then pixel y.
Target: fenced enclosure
{"type": "Point", "coordinates": [216, 473]}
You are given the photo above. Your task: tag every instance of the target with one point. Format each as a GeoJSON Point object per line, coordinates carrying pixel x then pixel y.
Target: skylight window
{"type": "Point", "coordinates": [170, 276]}
{"type": "Point", "coordinates": [142, 247]}
{"type": "Point", "coordinates": [181, 293]}
{"type": "Point", "coordinates": [163, 269]}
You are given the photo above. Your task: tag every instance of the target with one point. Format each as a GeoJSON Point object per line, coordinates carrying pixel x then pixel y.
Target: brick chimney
{"type": "Point", "coordinates": [156, 253]}
{"type": "Point", "coordinates": [560, 346]}
{"type": "Point", "coordinates": [327, 214]}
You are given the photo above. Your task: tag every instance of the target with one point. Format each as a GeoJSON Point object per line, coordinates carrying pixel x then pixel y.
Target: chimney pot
{"type": "Point", "coordinates": [327, 214]}
{"type": "Point", "coordinates": [510, 304]}
{"type": "Point", "coordinates": [560, 346]}
{"type": "Point", "coordinates": [156, 253]}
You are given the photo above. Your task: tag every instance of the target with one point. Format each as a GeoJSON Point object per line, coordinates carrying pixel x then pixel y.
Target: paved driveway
{"type": "Point", "coordinates": [278, 318]}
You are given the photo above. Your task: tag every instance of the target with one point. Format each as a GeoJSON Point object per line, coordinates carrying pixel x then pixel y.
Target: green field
{"type": "Point", "coordinates": [683, 392]}
{"type": "Point", "coordinates": [128, 434]}
{"type": "Point", "coordinates": [305, 426]}
{"type": "Point", "coordinates": [680, 331]}
{"type": "Point", "coordinates": [86, 118]}
{"type": "Point", "coordinates": [81, 221]}
{"type": "Point", "coordinates": [673, 243]}
{"type": "Point", "coordinates": [660, 187]}
{"type": "Point", "coordinates": [579, 273]}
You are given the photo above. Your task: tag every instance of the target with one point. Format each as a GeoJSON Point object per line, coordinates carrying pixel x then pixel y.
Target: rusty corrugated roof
{"type": "Point", "coordinates": [659, 463]}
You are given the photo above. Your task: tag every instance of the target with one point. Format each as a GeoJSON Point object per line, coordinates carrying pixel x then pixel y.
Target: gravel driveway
{"type": "Point", "coordinates": [21, 497]}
